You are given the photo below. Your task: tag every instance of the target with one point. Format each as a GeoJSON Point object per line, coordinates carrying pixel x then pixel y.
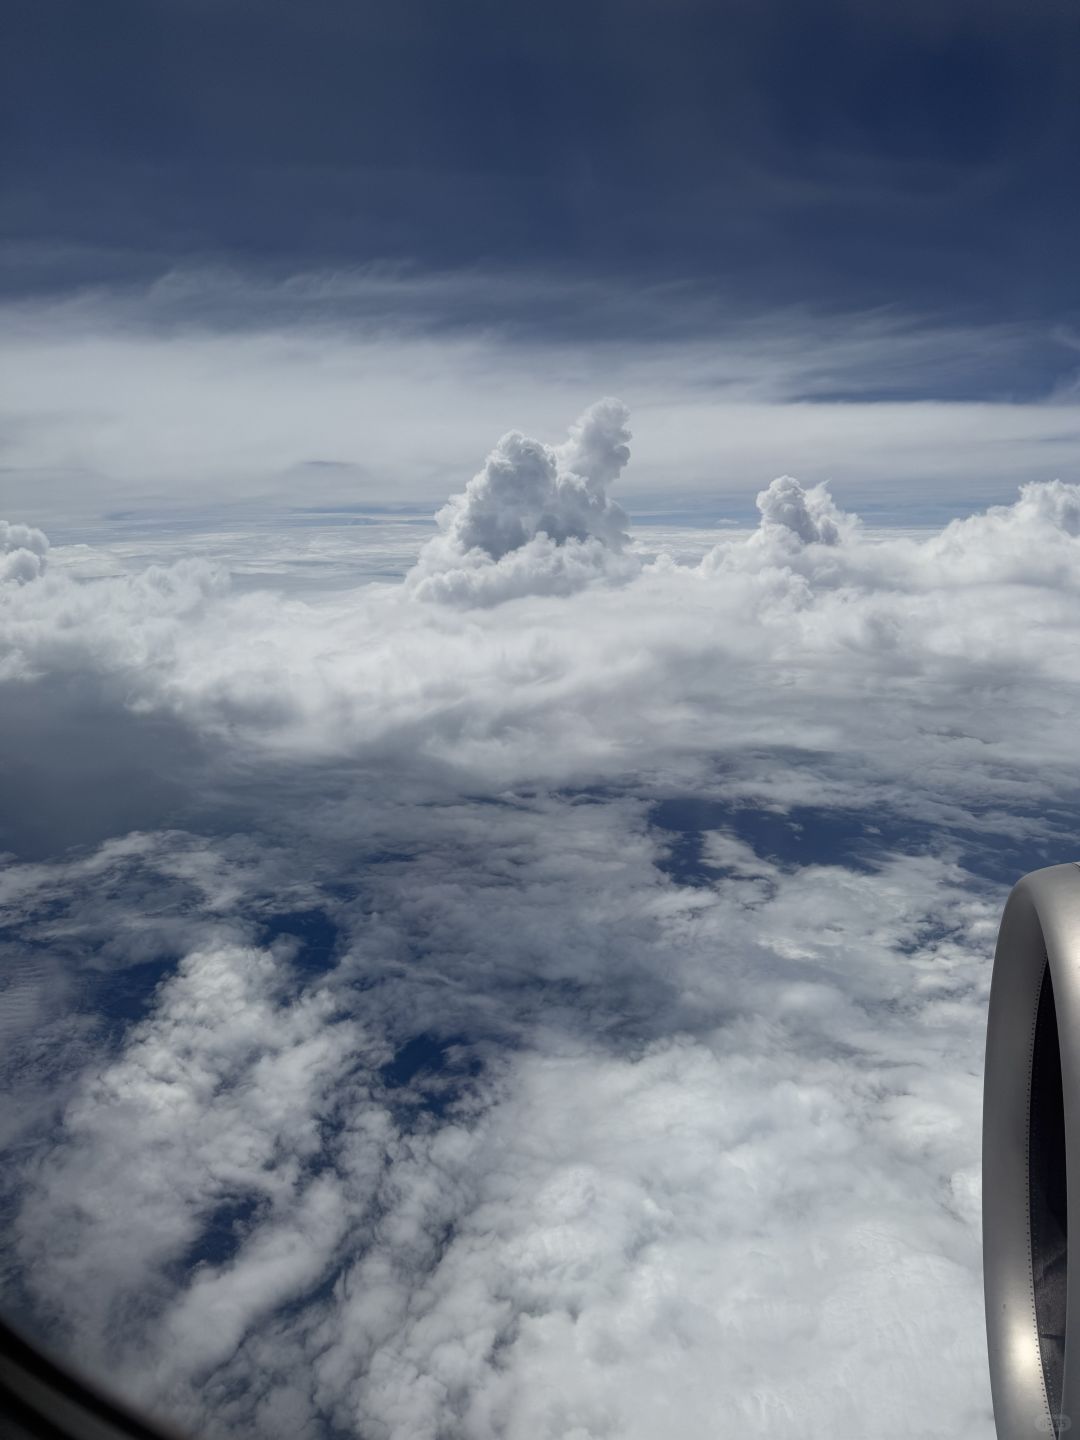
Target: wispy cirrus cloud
{"type": "Point", "coordinates": [158, 399]}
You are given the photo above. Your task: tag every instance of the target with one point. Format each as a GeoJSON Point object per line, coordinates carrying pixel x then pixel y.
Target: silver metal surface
{"type": "Point", "coordinates": [1040, 925]}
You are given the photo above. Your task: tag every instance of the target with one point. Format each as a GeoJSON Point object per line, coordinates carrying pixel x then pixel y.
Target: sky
{"type": "Point", "coordinates": [829, 239]}
{"type": "Point", "coordinates": [861, 155]}
{"type": "Point", "coordinates": [539, 596]}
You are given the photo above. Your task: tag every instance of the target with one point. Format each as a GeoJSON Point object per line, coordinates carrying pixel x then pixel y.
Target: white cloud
{"type": "Point", "coordinates": [807, 516]}
{"type": "Point", "coordinates": [526, 488]}
{"type": "Point", "coordinates": [218, 1097]}
{"type": "Point", "coordinates": [537, 518]}
{"type": "Point", "coordinates": [725, 1178]}
{"type": "Point", "coordinates": [22, 552]}
{"type": "Point", "coordinates": [307, 394]}
{"type": "Point", "coordinates": [771, 638]}
{"type": "Point", "coordinates": [686, 875]}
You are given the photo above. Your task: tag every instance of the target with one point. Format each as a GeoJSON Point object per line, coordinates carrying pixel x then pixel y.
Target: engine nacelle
{"type": "Point", "coordinates": [1031, 1139]}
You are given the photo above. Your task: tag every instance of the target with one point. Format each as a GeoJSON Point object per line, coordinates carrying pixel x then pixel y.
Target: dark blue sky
{"type": "Point", "coordinates": [842, 154]}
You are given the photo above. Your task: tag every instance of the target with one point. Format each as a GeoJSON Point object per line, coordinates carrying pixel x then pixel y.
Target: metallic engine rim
{"type": "Point", "coordinates": [1040, 926]}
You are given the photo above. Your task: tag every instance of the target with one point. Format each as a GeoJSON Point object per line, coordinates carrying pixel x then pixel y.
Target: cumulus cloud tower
{"type": "Point", "coordinates": [807, 517]}
{"type": "Point", "coordinates": [527, 488]}
{"type": "Point", "coordinates": [23, 552]}
{"type": "Point", "coordinates": [536, 519]}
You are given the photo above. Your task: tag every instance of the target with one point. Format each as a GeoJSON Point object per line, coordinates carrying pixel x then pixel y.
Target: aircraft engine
{"type": "Point", "coordinates": [1031, 1139]}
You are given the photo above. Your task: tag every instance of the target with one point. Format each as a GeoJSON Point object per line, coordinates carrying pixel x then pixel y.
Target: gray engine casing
{"type": "Point", "coordinates": [1031, 1141]}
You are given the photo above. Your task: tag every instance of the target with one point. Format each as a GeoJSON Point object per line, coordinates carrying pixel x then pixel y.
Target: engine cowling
{"type": "Point", "coordinates": [1031, 1140]}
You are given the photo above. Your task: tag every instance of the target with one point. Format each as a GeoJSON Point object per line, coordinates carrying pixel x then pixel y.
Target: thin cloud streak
{"type": "Point", "coordinates": [110, 403]}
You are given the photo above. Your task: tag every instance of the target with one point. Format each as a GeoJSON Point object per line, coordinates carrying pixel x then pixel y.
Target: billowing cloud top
{"type": "Point", "coordinates": [808, 517]}
{"type": "Point", "coordinates": [536, 519]}
{"type": "Point", "coordinates": [22, 552]}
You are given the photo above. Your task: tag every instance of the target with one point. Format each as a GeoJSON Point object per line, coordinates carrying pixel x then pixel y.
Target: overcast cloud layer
{"type": "Point", "coordinates": [206, 393]}
{"type": "Point", "coordinates": [541, 997]}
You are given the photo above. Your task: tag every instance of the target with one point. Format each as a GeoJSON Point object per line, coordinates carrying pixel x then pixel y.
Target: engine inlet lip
{"type": "Point", "coordinates": [1031, 1142]}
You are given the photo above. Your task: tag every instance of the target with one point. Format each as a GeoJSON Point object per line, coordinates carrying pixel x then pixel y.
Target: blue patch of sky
{"type": "Point", "coordinates": [314, 929]}
{"type": "Point", "coordinates": [222, 1234]}
{"type": "Point", "coordinates": [120, 994]}
{"type": "Point", "coordinates": [857, 839]}
{"type": "Point", "coordinates": [430, 1072]}
{"type": "Point", "coordinates": [123, 995]}
{"type": "Point", "coordinates": [801, 836]}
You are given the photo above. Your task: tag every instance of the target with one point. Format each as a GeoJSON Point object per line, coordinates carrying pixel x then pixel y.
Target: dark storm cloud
{"type": "Point", "coordinates": [858, 154]}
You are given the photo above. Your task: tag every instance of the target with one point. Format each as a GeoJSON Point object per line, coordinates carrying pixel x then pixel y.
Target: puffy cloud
{"type": "Point", "coordinates": [597, 450]}
{"type": "Point", "coordinates": [108, 627]}
{"type": "Point", "coordinates": [806, 516]}
{"type": "Point", "coordinates": [767, 641]}
{"type": "Point", "coordinates": [536, 519]}
{"type": "Point", "coordinates": [22, 552]}
{"type": "Point", "coordinates": [553, 1018]}
{"type": "Point", "coordinates": [217, 1101]}
{"type": "Point", "coordinates": [803, 531]}
{"type": "Point", "coordinates": [1032, 542]}
{"type": "Point", "coordinates": [772, 1165]}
